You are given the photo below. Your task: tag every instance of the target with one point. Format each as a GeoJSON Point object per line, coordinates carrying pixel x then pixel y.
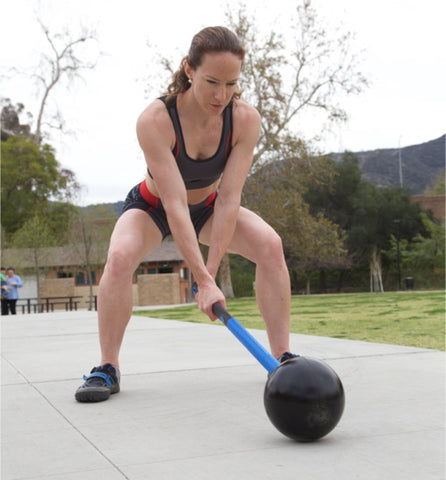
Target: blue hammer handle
{"type": "Point", "coordinates": [259, 352]}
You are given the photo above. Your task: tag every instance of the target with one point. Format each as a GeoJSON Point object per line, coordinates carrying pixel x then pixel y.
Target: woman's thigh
{"type": "Point", "coordinates": [253, 237]}
{"type": "Point", "coordinates": [134, 236]}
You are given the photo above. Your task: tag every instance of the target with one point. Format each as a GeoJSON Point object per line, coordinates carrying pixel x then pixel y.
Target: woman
{"type": "Point", "coordinates": [199, 138]}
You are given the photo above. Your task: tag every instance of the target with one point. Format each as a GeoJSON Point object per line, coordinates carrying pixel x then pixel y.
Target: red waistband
{"type": "Point", "coordinates": [148, 196]}
{"type": "Point", "coordinates": [210, 199]}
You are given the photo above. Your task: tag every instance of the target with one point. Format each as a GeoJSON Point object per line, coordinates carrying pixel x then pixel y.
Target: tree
{"type": "Point", "coordinates": [32, 179]}
{"type": "Point", "coordinates": [438, 186]}
{"type": "Point", "coordinates": [64, 60]}
{"type": "Point", "coordinates": [426, 254]}
{"type": "Point", "coordinates": [310, 242]}
{"type": "Point", "coordinates": [368, 215]}
{"type": "Point", "coordinates": [91, 229]}
{"type": "Point", "coordinates": [284, 84]}
{"type": "Point", "coordinates": [10, 120]}
{"type": "Point", "coordinates": [33, 182]}
{"type": "Point", "coordinates": [33, 235]}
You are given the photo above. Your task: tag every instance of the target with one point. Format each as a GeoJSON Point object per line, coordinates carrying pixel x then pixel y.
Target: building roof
{"type": "Point", "coordinates": [74, 255]}
{"type": "Point", "coordinates": [166, 252]}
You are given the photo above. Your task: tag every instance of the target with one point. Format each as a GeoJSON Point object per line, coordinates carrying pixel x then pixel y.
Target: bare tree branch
{"type": "Point", "coordinates": [284, 83]}
{"type": "Point", "coordinates": [64, 61]}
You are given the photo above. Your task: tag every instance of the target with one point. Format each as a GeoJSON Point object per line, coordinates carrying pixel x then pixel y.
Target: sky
{"type": "Point", "coordinates": [402, 51]}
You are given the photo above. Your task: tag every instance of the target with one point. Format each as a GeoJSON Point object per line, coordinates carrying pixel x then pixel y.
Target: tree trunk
{"type": "Point", "coordinates": [90, 291]}
{"type": "Point", "coordinates": [225, 277]}
{"type": "Point", "coordinates": [323, 280]}
{"type": "Point", "coordinates": [340, 283]}
{"type": "Point", "coordinates": [294, 281]}
{"type": "Point", "coordinates": [376, 282]}
{"type": "Point", "coordinates": [37, 273]}
{"type": "Point", "coordinates": [308, 281]}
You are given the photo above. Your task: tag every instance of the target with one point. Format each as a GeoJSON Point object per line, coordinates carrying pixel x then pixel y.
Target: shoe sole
{"type": "Point", "coordinates": [94, 394]}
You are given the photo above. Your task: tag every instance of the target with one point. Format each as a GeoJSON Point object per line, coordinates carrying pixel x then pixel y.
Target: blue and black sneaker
{"type": "Point", "coordinates": [287, 356]}
{"type": "Point", "coordinates": [99, 385]}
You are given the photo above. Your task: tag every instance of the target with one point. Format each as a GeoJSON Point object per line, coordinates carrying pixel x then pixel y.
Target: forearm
{"type": "Point", "coordinates": [185, 237]}
{"type": "Point", "coordinates": [223, 227]}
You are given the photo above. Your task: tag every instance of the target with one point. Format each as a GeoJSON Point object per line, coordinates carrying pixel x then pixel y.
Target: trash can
{"type": "Point", "coordinates": [409, 283]}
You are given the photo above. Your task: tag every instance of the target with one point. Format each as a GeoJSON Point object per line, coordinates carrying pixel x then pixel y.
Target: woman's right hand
{"type": "Point", "coordinates": [206, 295]}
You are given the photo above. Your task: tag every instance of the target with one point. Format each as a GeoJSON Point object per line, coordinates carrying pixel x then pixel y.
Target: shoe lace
{"type": "Point", "coordinates": [287, 356]}
{"type": "Point", "coordinates": [100, 374]}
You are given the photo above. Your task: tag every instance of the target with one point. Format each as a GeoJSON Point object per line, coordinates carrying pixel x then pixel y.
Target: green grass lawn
{"type": "Point", "coordinates": [402, 318]}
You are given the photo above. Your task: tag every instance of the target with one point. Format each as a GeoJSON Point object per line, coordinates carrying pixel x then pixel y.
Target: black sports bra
{"type": "Point", "coordinates": [200, 173]}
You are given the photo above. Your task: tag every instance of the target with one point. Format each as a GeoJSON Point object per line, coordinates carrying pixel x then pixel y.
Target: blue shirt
{"type": "Point", "coordinates": [13, 290]}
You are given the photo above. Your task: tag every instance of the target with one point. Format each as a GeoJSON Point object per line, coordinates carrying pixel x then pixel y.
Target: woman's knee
{"type": "Point", "coordinates": [275, 245]}
{"type": "Point", "coordinates": [135, 234]}
{"type": "Point", "coordinates": [121, 260]}
{"type": "Point", "coordinates": [271, 249]}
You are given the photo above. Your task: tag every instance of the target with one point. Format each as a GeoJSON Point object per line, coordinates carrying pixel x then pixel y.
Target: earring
{"type": "Point", "coordinates": [189, 80]}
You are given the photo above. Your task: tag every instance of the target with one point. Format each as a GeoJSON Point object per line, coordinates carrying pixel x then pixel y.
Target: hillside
{"type": "Point", "coordinates": [420, 165]}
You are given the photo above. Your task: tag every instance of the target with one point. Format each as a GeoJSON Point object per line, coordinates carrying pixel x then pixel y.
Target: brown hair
{"type": "Point", "coordinates": [208, 40]}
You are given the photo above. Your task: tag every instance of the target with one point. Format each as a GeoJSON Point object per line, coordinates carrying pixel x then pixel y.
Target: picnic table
{"type": "Point", "coordinates": [47, 303]}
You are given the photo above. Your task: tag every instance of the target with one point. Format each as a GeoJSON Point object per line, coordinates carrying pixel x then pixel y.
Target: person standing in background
{"type": "Point", "coordinates": [4, 292]}
{"type": "Point", "coordinates": [12, 283]}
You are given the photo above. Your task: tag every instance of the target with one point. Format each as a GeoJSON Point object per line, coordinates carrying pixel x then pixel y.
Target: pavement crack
{"type": "Point", "coordinates": [33, 385]}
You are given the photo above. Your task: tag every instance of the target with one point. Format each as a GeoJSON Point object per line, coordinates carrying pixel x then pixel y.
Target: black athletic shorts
{"type": "Point", "coordinates": [141, 198]}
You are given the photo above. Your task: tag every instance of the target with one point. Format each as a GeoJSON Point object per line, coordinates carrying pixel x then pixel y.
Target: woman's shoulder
{"type": "Point", "coordinates": [246, 119]}
{"type": "Point", "coordinates": [244, 112]}
{"type": "Point", "coordinates": [153, 111]}
{"type": "Point", "coordinates": [154, 117]}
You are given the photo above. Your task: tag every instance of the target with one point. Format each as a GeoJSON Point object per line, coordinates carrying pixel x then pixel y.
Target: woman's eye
{"type": "Point", "coordinates": [230, 84]}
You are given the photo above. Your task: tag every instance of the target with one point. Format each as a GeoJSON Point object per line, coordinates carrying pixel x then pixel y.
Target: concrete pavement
{"type": "Point", "coordinates": [191, 407]}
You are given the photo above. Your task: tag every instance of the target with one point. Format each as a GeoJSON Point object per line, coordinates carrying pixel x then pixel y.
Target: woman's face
{"type": "Point", "coordinates": [214, 82]}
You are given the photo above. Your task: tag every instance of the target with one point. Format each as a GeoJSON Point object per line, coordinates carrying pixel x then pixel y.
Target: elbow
{"type": "Point", "coordinates": [175, 208]}
{"type": "Point", "coordinates": [231, 200]}
{"type": "Point", "coordinates": [174, 203]}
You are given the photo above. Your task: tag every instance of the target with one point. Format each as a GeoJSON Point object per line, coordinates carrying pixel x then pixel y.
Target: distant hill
{"type": "Point", "coordinates": [112, 208]}
{"type": "Point", "coordinates": [420, 165]}
{"type": "Point", "coordinates": [118, 207]}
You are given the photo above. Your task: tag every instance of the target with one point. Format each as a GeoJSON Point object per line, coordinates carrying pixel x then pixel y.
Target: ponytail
{"type": "Point", "coordinates": [180, 82]}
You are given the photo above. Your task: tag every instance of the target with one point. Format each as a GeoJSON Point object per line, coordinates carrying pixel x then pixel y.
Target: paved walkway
{"type": "Point", "coordinates": [191, 407]}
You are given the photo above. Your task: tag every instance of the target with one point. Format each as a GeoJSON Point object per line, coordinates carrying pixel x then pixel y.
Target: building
{"type": "Point", "coordinates": [161, 278]}
{"type": "Point", "coordinates": [435, 203]}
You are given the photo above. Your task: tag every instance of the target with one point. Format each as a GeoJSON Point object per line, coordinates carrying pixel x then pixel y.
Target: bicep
{"type": "Point", "coordinates": [240, 161]}
{"type": "Point", "coordinates": [160, 161]}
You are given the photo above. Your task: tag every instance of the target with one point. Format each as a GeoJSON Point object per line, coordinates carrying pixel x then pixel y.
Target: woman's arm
{"type": "Point", "coordinates": [246, 128]}
{"type": "Point", "coordinates": [155, 135]}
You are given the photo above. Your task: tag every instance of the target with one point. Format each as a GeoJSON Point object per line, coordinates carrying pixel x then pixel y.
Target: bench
{"type": "Point", "coordinates": [69, 305]}
{"type": "Point", "coordinates": [33, 305]}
